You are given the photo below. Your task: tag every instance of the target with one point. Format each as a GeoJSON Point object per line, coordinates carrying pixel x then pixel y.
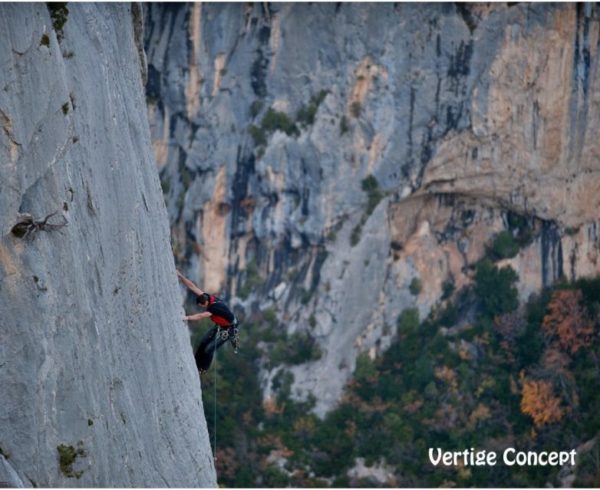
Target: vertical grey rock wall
{"type": "Point", "coordinates": [461, 112]}
{"type": "Point", "coordinates": [95, 361]}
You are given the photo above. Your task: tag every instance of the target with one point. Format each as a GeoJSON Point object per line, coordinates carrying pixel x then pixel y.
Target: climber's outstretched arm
{"type": "Point", "coordinates": [189, 284]}
{"type": "Point", "coordinates": [198, 316]}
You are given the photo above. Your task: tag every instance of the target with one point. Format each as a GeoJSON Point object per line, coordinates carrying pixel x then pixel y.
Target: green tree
{"type": "Point", "coordinates": [274, 120]}
{"type": "Point", "coordinates": [495, 288]}
{"type": "Point", "coordinates": [504, 246]}
{"type": "Point", "coordinates": [416, 286]}
{"type": "Point", "coordinates": [408, 320]}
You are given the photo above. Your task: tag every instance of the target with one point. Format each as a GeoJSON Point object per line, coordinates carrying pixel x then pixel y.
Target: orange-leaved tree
{"type": "Point", "coordinates": [540, 403]}
{"type": "Point", "coordinates": [568, 320]}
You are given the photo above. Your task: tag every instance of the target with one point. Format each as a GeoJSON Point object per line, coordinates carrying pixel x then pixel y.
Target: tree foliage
{"type": "Point", "coordinates": [509, 326]}
{"type": "Point", "coordinates": [540, 403]}
{"type": "Point", "coordinates": [504, 246]}
{"type": "Point", "coordinates": [279, 121]}
{"type": "Point", "coordinates": [495, 288]}
{"type": "Point", "coordinates": [420, 392]}
{"type": "Point", "coordinates": [567, 320]}
{"type": "Point", "coordinates": [370, 185]}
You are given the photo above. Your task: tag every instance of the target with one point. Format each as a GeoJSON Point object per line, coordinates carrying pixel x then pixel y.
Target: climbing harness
{"type": "Point", "coordinates": [234, 337]}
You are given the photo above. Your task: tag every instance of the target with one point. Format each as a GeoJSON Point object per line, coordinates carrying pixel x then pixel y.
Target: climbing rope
{"type": "Point", "coordinates": [215, 395]}
{"type": "Point", "coordinates": [221, 334]}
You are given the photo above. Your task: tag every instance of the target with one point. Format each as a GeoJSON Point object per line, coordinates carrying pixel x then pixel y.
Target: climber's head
{"type": "Point", "coordinates": [203, 300]}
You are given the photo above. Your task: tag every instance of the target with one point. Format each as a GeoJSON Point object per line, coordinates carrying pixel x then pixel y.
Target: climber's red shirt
{"type": "Point", "coordinates": [221, 314]}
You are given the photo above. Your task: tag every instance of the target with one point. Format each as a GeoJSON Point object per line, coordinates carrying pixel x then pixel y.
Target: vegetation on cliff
{"type": "Point", "coordinates": [524, 376]}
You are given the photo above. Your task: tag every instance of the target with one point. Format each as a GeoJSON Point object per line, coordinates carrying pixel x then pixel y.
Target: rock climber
{"type": "Point", "coordinates": [226, 324]}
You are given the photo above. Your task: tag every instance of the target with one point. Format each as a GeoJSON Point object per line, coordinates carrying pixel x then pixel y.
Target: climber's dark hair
{"type": "Point", "coordinates": [203, 299]}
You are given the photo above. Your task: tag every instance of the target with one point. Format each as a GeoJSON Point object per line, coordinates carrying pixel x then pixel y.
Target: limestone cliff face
{"type": "Point", "coordinates": [466, 116]}
{"type": "Point", "coordinates": [97, 381]}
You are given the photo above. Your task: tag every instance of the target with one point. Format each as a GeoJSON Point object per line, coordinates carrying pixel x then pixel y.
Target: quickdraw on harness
{"type": "Point", "coordinates": [233, 336]}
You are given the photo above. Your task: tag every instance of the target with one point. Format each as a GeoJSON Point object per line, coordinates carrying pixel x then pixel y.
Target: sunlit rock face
{"type": "Point", "coordinates": [469, 118]}
{"type": "Point", "coordinates": [98, 386]}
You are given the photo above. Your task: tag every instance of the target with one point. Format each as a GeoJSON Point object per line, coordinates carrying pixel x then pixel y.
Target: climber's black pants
{"type": "Point", "coordinates": [206, 350]}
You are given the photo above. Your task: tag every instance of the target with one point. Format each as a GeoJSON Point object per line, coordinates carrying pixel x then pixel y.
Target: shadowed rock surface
{"type": "Point", "coordinates": [98, 386]}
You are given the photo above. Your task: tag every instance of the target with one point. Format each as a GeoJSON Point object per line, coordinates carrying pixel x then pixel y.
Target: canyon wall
{"type": "Point", "coordinates": [319, 159]}
{"type": "Point", "coordinates": [98, 384]}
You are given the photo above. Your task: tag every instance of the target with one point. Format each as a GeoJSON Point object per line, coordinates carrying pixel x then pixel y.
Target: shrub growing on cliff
{"type": "Point", "coordinates": [67, 456]}
{"type": "Point", "coordinates": [304, 348]}
{"type": "Point", "coordinates": [355, 235]}
{"type": "Point", "coordinates": [447, 289]}
{"type": "Point", "coordinates": [416, 286]}
{"type": "Point", "coordinates": [272, 121]}
{"type": "Point", "coordinates": [306, 296]}
{"type": "Point", "coordinates": [520, 227]}
{"type": "Point", "coordinates": [374, 195]}
{"type": "Point", "coordinates": [59, 14]}
{"type": "Point", "coordinates": [306, 115]}
{"type": "Point", "coordinates": [270, 317]}
{"type": "Point", "coordinates": [279, 121]}
{"type": "Point", "coordinates": [256, 107]}
{"type": "Point", "coordinates": [296, 349]}
{"type": "Point", "coordinates": [530, 344]}
{"type": "Point", "coordinates": [371, 187]}
{"type": "Point", "coordinates": [365, 371]}
{"type": "Point", "coordinates": [408, 320]}
{"type": "Point", "coordinates": [258, 135]}
{"type": "Point", "coordinates": [503, 246]}
{"type": "Point", "coordinates": [590, 288]}
{"type": "Point", "coordinates": [344, 127]}
{"type": "Point", "coordinates": [253, 280]}
{"type": "Point", "coordinates": [495, 288]}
